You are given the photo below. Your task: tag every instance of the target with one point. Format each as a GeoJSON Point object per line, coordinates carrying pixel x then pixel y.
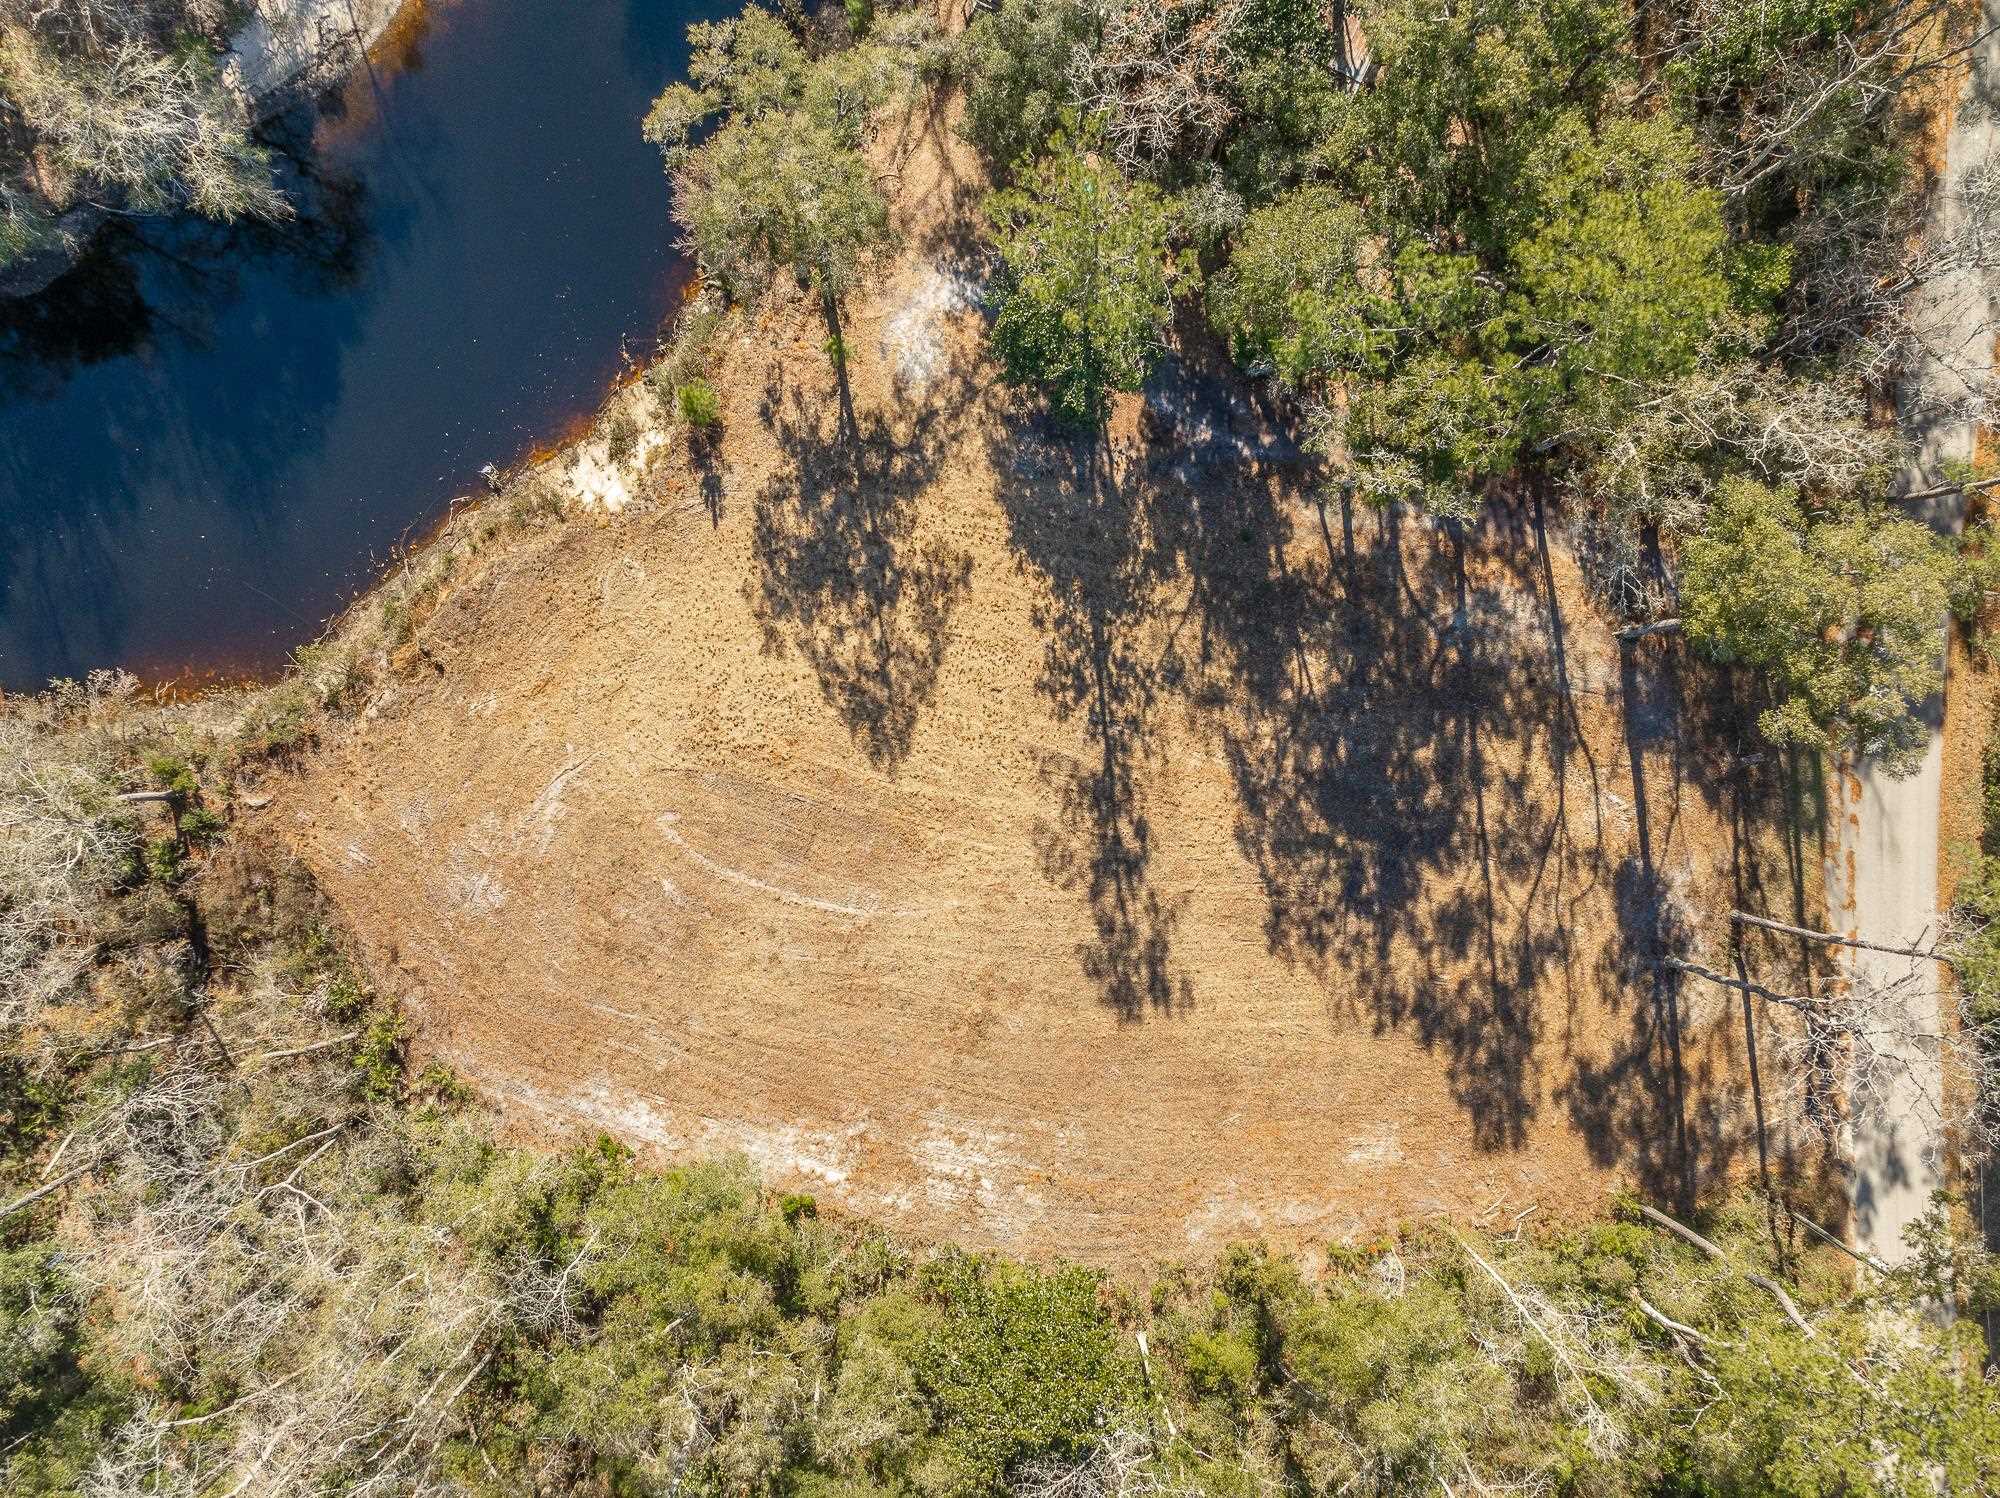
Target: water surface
{"type": "Point", "coordinates": [210, 438]}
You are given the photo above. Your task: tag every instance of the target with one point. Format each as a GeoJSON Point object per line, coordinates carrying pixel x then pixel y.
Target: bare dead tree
{"type": "Point", "coordinates": [542, 1297]}
{"type": "Point", "coordinates": [1891, 282]}
{"type": "Point", "coordinates": [116, 108]}
{"type": "Point", "coordinates": [1871, 1045]}
{"type": "Point", "coordinates": [1579, 1342]}
{"type": "Point", "coordinates": [1159, 78]}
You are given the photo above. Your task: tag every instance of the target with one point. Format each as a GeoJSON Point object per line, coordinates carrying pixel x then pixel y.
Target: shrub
{"type": "Point", "coordinates": [797, 1204]}
{"type": "Point", "coordinates": [699, 405]}
{"type": "Point", "coordinates": [163, 861]}
{"type": "Point", "coordinates": [622, 440]}
{"type": "Point", "coordinates": [684, 355]}
{"type": "Point", "coordinates": [1018, 58]}
{"type": "Point", "coordinates": [1017, 1362]}
{"type": "Point", "coordinates": [379, 1056]}
{"type": "Point", "coordinates": [173, 774]}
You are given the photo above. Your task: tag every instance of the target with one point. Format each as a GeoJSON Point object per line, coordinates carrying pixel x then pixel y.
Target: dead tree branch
{"type": "Point", "coordinates": [1743, 918]}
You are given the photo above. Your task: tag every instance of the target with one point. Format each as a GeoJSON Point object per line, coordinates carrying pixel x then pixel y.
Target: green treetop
{"type": "Point", "coordinates": [1086, 288]}
{"type": "Point", "coordinates": [781, 182]}
{"type": "Point", "coordinates": [1842, 610]}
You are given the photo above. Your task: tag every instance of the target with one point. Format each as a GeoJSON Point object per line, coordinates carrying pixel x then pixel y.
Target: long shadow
{"type": "Point", "coordinates": [1084, 526]}
{"type": "Point", "coordinates": [841, 575]}
{"type": "Point", "coordinates": [1381, 724]}
{"type": "Point", "coordinates": [1653, 1106]}
{"type": "Point", "coordinates": [1396, 703]}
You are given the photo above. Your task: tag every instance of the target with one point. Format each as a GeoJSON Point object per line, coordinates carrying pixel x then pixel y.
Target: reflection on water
{"type": "Point", "coordinates": [210, 436]}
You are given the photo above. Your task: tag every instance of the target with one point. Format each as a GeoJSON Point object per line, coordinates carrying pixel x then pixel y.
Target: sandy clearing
{"type": "Point", "coordinates": [1109, 859]}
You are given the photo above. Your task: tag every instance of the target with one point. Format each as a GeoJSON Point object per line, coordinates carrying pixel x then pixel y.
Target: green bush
{"type": "Point", "coordinates": [379, 1054]}
{"type": "Point", "coordinates": [163, 861]}
{"type": "Point", "coordinates": [622, 440]}
{"type": "Point", "coordinates": [1017, 1362]}
{"type": "Point", "coordinates": [699, 405]}
{"type": "Point", "coordinates": [1017, 59]}
{"type": "Point", "coordinates": [173, 774]}
{"type": "Point", "coordinates": [797, 1204]}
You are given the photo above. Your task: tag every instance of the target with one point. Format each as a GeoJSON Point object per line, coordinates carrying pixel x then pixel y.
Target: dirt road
{"type": "Point", "coordinates": [1887, 876]}
{"type": "Point", "coordinates": [1890, 844]}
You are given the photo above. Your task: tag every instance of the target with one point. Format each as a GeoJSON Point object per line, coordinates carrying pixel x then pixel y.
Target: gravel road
{"type": "Point", "coordinates": [1885, 879]}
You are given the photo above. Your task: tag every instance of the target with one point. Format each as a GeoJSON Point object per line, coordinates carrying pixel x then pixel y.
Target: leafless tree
{"type": "Point", "coordinates": [1159, 78]}
{"type": "Point", "coordinates": [1909, 1047]}
{"type": "Point", "coordinates": [1891, 282]}
{"type": "Point", "coordinates": [124, 104]}
{"type": "Point", "coordinates": [1122, 1464]}
{"type": "Point", "coordinates": [65, 840]}
{"type": "Point", "coordinates": [1659, 465]}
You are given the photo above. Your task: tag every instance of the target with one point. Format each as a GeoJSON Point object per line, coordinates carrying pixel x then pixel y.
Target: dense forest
{"type": "Point", "coordinates": [1647, 264]}
{"type": "Point", "coordinates": [1653, 263]}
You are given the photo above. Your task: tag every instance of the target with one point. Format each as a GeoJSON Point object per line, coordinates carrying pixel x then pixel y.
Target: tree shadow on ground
{"type": "Point", "coordinates": [1653, 1105]}
{"type": "Point", "coordinates": [842, 576]}
{"type": "Point", "coordinates": [1085, 528]}
{"type": "Point", "coordinates": [1424, 805]}
{"type": "Point", "coordinates": [1387, 736]}
{"type": "Point", "coordinates": [1395, 700]}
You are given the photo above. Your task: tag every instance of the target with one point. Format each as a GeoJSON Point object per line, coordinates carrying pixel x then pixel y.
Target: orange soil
{"type": "Point", "coordinates": [1969, 708]}
{"type": "Point", "coordinates": [1111, 863]}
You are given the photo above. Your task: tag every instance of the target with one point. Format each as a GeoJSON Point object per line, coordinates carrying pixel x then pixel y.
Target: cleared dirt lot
{"type": "Point", "coordinates": [1114, 854]}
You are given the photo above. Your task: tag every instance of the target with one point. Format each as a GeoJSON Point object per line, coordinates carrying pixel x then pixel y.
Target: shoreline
{"type": "Point", "coordinates": [237, 661]}
{"type": "Point", "coordinates": [269, 54]}
{"type": "Point", "coordinates": [421, 560]}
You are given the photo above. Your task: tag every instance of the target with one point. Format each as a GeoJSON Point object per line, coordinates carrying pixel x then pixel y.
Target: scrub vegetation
{"type": "Point", "coordinates": [249, 1242]}
{"type": "Point", "coordinates": [122, 105]}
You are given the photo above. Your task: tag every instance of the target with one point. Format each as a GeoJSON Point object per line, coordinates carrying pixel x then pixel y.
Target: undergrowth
{"type": "Point", "coordinates": [253, 1243]}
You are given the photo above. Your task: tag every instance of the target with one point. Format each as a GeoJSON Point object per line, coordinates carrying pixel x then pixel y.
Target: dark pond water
{"type": "Point", "coordinates": [209, 439]}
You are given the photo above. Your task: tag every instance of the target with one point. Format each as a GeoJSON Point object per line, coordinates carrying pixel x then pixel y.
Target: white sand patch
{"type": "Point", "coordinates": [622, 588]}
{"type": "Point", "coordinates": [1230, 1215]}
{"type": "Point", "coordinates": [539, 820]}
{"type": "Point", "coordinates": [595, 481]}
{"type": "Point", "coordinates": [414, 818]}
{"type": "Point", "coordinates": [627, 1116]}
{"type": "Point", "coordinates": [1380, 1148]}
{"type": "Point", "coordinates": [285, 38]}
{"type": "Point", "coordinates": [964, 1163]}
{"type": "Point", "coordinates": [472, 881]}
{"type": "Point", "coordinates": [913, 335]}
{"type": "Point", "coordinates": [789, 1151]}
